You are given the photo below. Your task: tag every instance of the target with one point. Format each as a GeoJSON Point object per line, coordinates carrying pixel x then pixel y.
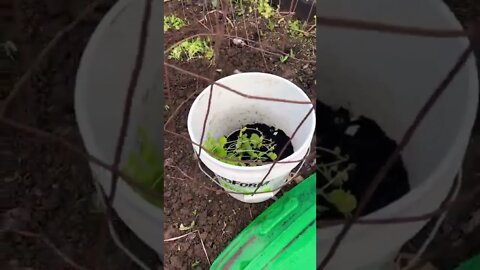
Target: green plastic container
{"type": "Point", "coordinates": [282, 237]}
{"type": "Point", "coordinates": [471, 264]}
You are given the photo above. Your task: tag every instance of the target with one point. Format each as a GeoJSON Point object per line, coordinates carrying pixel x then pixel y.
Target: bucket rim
{"type": "Point", "coordinates": [311, 118]}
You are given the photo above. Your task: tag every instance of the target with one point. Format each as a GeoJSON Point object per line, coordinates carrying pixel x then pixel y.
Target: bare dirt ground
{"type": "Point", "coordinates": [45, 188]}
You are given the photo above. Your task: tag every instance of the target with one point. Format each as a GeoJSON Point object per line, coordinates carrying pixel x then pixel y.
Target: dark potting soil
{"type": "Point", "coordinates": [278, 136]}
{"type": "Point", "coordinates": [368, 148]}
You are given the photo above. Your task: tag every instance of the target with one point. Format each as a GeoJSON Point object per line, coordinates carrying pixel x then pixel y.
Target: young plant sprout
{"type": "Point", "coordinates": [193, 49]}
{"type": "Point", "coordinates": [336, 173]}
{"type": "Point", "coordinates": [146, 167]}
{"type": "Point", "coordinates": [173, 22]}
{"type": "Point", "coordinates": [250, 145]}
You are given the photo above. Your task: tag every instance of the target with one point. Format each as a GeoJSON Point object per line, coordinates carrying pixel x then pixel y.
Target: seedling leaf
{"type": "Point", "coordinates": [344, 201]}
{"type": "Point", "coordinates": [272, 155]}
{"type": "Point", "coordinates": [186, 228]}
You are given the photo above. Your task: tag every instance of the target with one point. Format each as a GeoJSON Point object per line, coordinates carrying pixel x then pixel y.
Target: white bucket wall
{"type": "Point", "coordinates": [388, 78]}
{"type": "Point", "coordinates": [102, 81]}
{"type": "Point", "coordinates": [230, 111]}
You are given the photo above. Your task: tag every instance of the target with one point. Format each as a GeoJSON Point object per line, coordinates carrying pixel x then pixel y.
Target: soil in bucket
{"type": "Point", "coordinates": [278, 140]}
{"type": "Point", "coordinates": [350, 153]}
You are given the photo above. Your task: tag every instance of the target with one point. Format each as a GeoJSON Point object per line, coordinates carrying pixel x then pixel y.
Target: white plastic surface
{"type": "Point", "coordinates": [229, 112]}
{"type": "Point", "coordinates": [388, 78]}
{"type": "Point", "coordinates": [101, 87]}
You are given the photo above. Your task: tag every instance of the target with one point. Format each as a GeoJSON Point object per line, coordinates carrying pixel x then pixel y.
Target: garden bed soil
{"type": "Point", "coordinates": [368, 147]}
{"type": "Point", "coordinates": [190, 195]}
{"type": "Point", "coordinates": [48, 189]}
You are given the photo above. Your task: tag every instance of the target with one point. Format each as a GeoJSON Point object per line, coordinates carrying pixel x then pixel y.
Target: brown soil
{"type": "Point", "coordinates": [218, 217]}
{"type": "Point", "coordinates": [46, 189]}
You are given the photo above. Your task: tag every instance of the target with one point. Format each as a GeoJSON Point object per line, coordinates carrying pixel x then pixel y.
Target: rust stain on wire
{"type": "Point", "coordinates": [129, 98]}
{"type": "Point", "coordinates": [388, 28]}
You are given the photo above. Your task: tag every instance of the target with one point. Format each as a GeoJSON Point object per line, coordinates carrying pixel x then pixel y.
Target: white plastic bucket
{"type": "Point", "coordinates": [388, 78]}
{"type": "Point", "coordinates": [101, 87]}
{"type": "Point", "coordinates": [230, 112]}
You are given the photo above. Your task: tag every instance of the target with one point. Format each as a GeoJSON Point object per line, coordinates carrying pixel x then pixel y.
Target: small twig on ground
{"type": "Point", "coordinates": [177, 110]}
{"type": "Point", "coordinates": [204, 249]}
{"type": "Point", "coordinates": [217, 191]}
{"type": "Point", "coordinates": [235, 91]}
{"type": "Point", "coordinates": [179, 237]}
{"type": "Point", "coordinates": [49, 243]}
{"type": "Point", "coordinates": [180, 170]}
{"type": "Point", "coordinates": [187, 234]}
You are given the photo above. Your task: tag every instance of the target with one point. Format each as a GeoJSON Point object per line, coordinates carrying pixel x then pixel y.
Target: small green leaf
{"type": "Point", "coordinates": [344, 201]}
{"type": "Point", "coordinates": [255, 139]}
{"type": "Point", "coordinates": [222, 141]}
{"type": "Point", "coordinates": [272, 155]}
{"type": "Point", "coordinates": [209, 143]}
{"type": "Point", "coordinates": [186, 228]}
{"type": "Point", "coordinates": [247, 146]}
{"type": "Point", "coordinates": [221, 152]}
{"type": "Point", "coordinates": [195, 263]}
{"type": "Point", "coordinates": [215, 3]}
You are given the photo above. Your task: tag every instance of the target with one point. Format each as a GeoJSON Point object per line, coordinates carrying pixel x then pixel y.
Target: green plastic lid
{"type": "Point", "coordinates": [471, 264]}
{"type": "Point", "coordinates": [282, 237]}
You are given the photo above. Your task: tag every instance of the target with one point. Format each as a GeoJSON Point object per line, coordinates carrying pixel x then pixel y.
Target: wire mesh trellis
{"type": "Point", "coordinates": [321, 21]}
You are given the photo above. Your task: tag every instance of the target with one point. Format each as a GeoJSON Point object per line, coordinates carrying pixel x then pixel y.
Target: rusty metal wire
{"type": "Point", "coordinates": [321, 21]}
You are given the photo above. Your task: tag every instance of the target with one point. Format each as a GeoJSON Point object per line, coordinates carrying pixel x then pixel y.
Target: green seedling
{"type": "Point", "coordinates": [146, 167]}
{"type": "Point", "coordinates": [284, 58]}
{"type": "Point", "coordinates": [336, 173]}
{"type": "Point", "coordinates": [173, 22]}
{"type": "Point", "coordinates": [344, 201]}
{"type": "Point", "coordinates": [187, 228]}
{"type": "Point", "coordinates": [196, 48]}
{"type": "Point", "coordinates": [295, 29]}
{"type": "Point", "coordinates": [270, 25]}
{"type": "Point", "coordinates": [265, 9]}
{"type": "Point", "coordinates": [215, 3]}
{"type": "Point", "coordinates": [195, 264]}
{"type": "Point", "coordinates": [262, 7]}
{"type": "Point", "coordinates": [254, 147]}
